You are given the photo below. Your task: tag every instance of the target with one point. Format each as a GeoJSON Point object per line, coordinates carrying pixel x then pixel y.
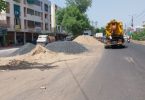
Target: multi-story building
{"type": "Point", "coordinates": [25, 19]}
{"type": "Point", "coordinates": [54, 26]}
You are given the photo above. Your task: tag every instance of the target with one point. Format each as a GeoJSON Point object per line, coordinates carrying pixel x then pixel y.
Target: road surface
{"type": "Point", "coordinates": [119, 76]}
{"type": "Point", "coordinates": [6, 52]}
{"type": "Point", "coordinates": [114, 74]}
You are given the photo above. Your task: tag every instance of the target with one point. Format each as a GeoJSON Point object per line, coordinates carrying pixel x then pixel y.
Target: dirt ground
{"type": "Point", "coordinates": [47, 76]}
{"type": "Point", "coordinates": [138, 42]}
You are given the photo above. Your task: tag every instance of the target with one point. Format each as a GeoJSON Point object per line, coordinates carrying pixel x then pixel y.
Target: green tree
{"type": "Point", "coordinates": [139, 35]}
{"type": "Point", "coordinates": [82, 5]}
{"type": "Point", "coordinates": [60, 15]}
{"type": "Point", "coordinates": [97, 30]}
{"type": "Point", "coordinates": [100, 30]}
{"type": "Point", "coordinates": [72, 20]}
{"type": "Point", "coordinates": [2, 5]}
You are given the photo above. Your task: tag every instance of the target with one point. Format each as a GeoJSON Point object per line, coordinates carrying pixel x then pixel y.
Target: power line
{"type": "Point", "coordinates": [136, 18]}
{"type": "Point", "coordinates": [141, 18]}
{"type": "Point", "coordinates": [142, 13]}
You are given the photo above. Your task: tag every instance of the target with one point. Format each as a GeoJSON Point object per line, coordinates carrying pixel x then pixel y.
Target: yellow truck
{"type": "Point", "coordinates": [114, 34]}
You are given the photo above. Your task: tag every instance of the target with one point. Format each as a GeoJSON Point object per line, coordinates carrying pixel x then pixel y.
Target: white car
{"type": "Point", "coordinates": [42, 39]}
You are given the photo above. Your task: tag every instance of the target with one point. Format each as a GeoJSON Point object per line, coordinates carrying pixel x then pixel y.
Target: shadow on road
{"type": "Point", "coordinates": [24, 65]}
{"type": "Point", "coordinates": [117, 47]}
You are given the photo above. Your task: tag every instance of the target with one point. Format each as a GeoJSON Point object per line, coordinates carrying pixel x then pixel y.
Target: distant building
{"type": "Point", "coordinates": [24, 19]}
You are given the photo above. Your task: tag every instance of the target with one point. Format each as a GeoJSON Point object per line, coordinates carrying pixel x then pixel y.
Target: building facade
{"type": "Point", "coordinates": [24, 20]}
{"type": "Point", "coordinates": [54, 27]}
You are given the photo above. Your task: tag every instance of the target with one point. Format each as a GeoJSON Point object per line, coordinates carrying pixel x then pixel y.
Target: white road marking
{"type": "Point", "coordinates": [130, 59]}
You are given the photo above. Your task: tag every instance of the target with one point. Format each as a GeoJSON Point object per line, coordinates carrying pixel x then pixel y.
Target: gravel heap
{"type": "Point", "coordinates": [68, 47]}
{"type": "Point", "coordinates": [24, 49]}
{"type": "Point", "coordinates": [86, 40]}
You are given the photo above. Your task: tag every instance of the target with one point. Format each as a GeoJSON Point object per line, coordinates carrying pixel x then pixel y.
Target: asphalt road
{"type": "Point", "coordinates": [119, 76]}
{"type": "Point", "coordinates": [114, 74]}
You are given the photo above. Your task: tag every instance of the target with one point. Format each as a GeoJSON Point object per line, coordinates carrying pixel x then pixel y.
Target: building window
{"type": "Point", "coordinates": [31, 24]}
{"type": "Point", "coordinates": [7, 7]}
{"type": "Point", "coordinates": [50, 27]}
{"type": "Point", "coordinates": [37, 24]}
{"type": "Point", "coordinates": [25, 12]}
{"type": "Point", "coordinates": [41, 5]}
{"type": "Point", "coordinates": [30, 11]}
{"type": "Point", "coordinates": [46, 26]}
{"type": "Point", "coordinates": [25, 24]}
{"type": "Point", "coordinates": [37, 13]}
{"type": "Point", "coordinates": [50, 18]}
{"type": "Point", "coordinates": [41, 16]}
{"type": "Point", "coordinates": [8, 22]}
{"type": "Point", "coordinates": [46, 16]}
{"type": "Point", "coordinates": [42, 26]}
{"type": "Point", "coordinates": [46, 7]}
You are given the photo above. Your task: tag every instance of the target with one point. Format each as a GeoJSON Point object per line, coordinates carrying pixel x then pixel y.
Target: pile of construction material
{"type": "Point", "coordinates": [86, 40]}
{"type": "Point", "coordinates": [32, 54]}
{"type": "Point", "coordinates": [68, 47]}
{"type": "Point", "coordinates": [24, 49]}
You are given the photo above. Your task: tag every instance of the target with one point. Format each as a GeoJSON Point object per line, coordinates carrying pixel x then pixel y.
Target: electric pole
{"type": "Point", "coordinates": [132, 21]}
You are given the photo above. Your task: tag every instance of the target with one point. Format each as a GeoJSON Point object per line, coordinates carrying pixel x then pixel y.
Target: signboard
{"type": "Point", "coordinates": [17, 27]}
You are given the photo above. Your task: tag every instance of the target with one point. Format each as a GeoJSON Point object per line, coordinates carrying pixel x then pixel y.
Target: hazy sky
{"type": "Point", "coordinates": [105, 10]}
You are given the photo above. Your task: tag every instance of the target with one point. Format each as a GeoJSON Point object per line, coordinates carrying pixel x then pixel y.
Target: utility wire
{"type": "Point", "coordinates": [142, 13]}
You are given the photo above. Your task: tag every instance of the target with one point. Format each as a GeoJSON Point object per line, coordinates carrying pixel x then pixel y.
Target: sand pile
{"type": "Point", "coordinates": [86, 40]}
{"type": "Point", "coordinates": [24, 49]}
{"type": "Point", "coordinates": [38, 50]}
{"type": "Point", "coordinates": [39, 54]}
{"type": "Point", "coordinates": [68, 47]}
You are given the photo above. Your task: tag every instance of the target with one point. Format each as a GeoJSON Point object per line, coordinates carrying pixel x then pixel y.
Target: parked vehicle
{"type": "Point", "coordinates": [45, 39]}
{"type": "Point", "coordinates": [69, 38]}
{"type": "Point", "coordinates": [88, 32]}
